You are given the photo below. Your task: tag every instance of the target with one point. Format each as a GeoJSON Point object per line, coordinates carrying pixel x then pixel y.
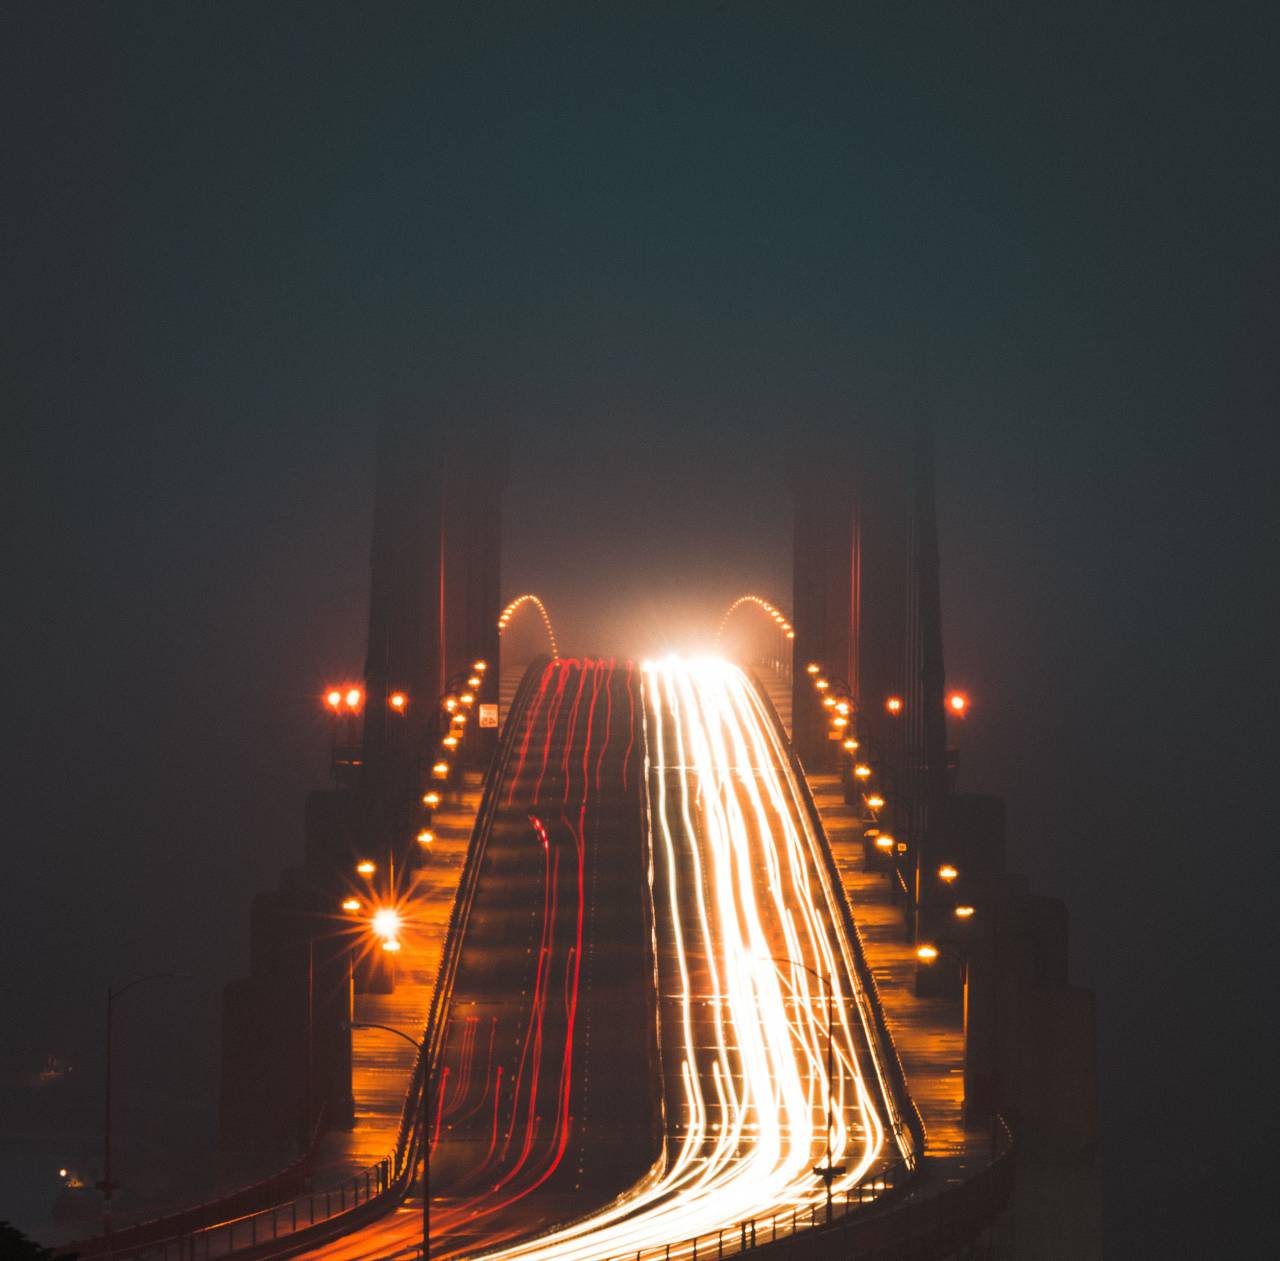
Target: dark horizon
{"type": "Point", "coordinates": [652, 248]}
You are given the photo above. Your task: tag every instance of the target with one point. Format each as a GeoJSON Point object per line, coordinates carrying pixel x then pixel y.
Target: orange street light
{"type": "Point", "coordinates": [842, 707]}
{"type": "Point", "coordinates": [958, 704]}
{"type": "Point", "coordinates": [450, 742]}
{"type": "Point", "coordinates": [875, 801]}
{"type": "Point", "coordinates": [351, 904]}
{"type": "Point", "coordinates": [926, 954]}
{"type": "Point", "coordinates": [333, 699]}
{"type": "Point", "coordinates": [467, 698]}
{"type": "Point", "coordinates": [451, 703]}
{"type": "Point", "coordinates": [386, 923]}
{"type": "Point", "coordinates": [431, 799]}
{"type": "Point", "coordinates": [398, 701]}
{"type": "Point", "coordinates": [947, 872]}
{"type": "Point", "coordinates": [862, 771]}
{"type": "Point", "coordinates": [474, 681]}
{"type": "Point", "coordinates": [964, 912]}
{"type": "Point", "coordinates": [354, 698]}
{"type": "Point", "coordinates": [894, 704]}
{"type": "Point", "coordinates": [821, 684]}
{"type": "Point", "coordinates": [812, 668]}
{"type": "Point", "coordinates": [480, 666]}
{"type": "Point", "coordinates": [828, 702]}
{"type": "Point", "coordinates": [365, 867]}
{"type": "Point", "coordinates": [851, 745]}
{"type": "Point", "coordinates": [884, 841]}
{"type": "Point", "coordinates": [426, 836]}
{"type": "Point", "coordinates": [840, 722]}
{"type": "Point", "coordinates": [391, 944]}
{"type": "Point", "coordinates": [440, 770]}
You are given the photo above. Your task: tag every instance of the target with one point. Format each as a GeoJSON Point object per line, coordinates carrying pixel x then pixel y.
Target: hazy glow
{"type": "Point", "coordinates": [742, 907]}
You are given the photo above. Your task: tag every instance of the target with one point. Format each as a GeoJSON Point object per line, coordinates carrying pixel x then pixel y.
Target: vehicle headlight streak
{"type": "Point", "coordinates": [742, 907]}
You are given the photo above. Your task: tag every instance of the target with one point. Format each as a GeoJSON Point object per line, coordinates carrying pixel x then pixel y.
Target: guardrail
{"type": "Point", "coordinates": [886, 1052]}
{"type": "Point", "coordinates": [334, 1210]}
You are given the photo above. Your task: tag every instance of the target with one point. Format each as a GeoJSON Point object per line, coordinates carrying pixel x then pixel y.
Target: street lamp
{"type": "Point", "coordinates": [424, 1122]}
{"type": "Point", "coordinates": [107, 1186]}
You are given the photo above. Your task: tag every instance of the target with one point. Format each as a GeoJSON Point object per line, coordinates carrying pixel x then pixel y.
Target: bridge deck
{"type": "Point", "coordinates": [382, 1064]}
{"type": "Point", "coordinates": [928, 1032]}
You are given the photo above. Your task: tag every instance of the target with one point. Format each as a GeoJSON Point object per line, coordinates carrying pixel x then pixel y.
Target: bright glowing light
{"type": "Point", "coordinates": [398, 701]}
{"type": "Point", "coordinates": [391, 944]}
{"type": "Point", "coordinates": [884, 841]}
{"type": "Point", "coordinates": [875, 801]}
{"type": "Point", "coordinates": [926, 954]}
{"type": "Point", "coordinates": [947, 872]}
{"type": "Point", "coordinates": [839, 722]}
{"type": "Point", "coordinates": [426, 836]}
{"type": "Point", "coordinates": [351, 904]}
{"type": "Point", "coordinates": [354, 698]}
{"type": "Point", "coordinates": [862, 771]}
{"type": "Point", "coordinates": [828, 702]}
{"type": "Point", "coordinates": [842, 707]}
{"type": "Point", "coordinates": [450, 742]}
{"type": "Point", "coordinates": [431, 799]}
{"type": "Point", "coordinates": [958, 704]}
{"type": "Point", "coordinates": [850, 745]}
{"type": "Point", "coordinates": [894, 704]}
{"type": "Point", "coordinates": [62, 1173]}
{"type": "Point", "coordinates": [451, 703]}
{"type": "Point", "coordinates": [440, 770]}
{"type": "Point", "coordinates": [474, 681]}
{"type": "Point", "coordinates": [333, 698]}
{"type": "Point", "coordinates": [365, 867]}
{"type": "Point", "coordinates": [964, 912]}
{"type": "Point", "coordinates": [386, 922]}
{"type": "Point", "coordinates": [467, 698]}
{"type": "Point", "coordinates": [813, 668]}
{"type": "Point", "coordinates": [821, 684]}
{"type": "Point", "coordinates": [480, 666]}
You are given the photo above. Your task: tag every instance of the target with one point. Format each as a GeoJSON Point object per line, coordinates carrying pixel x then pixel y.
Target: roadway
{"type": "Point", "coordinates": [654, 936]}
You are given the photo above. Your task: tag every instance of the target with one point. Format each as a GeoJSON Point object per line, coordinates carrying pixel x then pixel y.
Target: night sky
{"type": "Point", "coordinates": [653, 240]}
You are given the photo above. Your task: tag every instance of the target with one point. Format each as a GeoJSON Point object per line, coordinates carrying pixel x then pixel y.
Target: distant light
{"type": "Point", "coordinates": [894, 704]}
{"type": "Point", "coordinates": [480, 666]}
{"type": "Point", "coordinates": [451, 703]}
{"type": "Point", "coordinates": [398, 701]}
{"type": "Point", "coordinates": [426, 836]}
{"type": "Point", "coordinates": [440, 770]}
{"type": "Point", "coordinates": [354, 698]}
{"type": "Point", "coordinates": [467, 698]}
{"type": "Point", "coordinates": [386, 922]}
{"type": "Point", "coordinates": [431, 799]}
{"type": "Point", "coordinates": [459, 720]}
{"type": "Point", "coordinates": [391, 944]}
{"type": "Point", "coordinates": [862, 771]}
{"type": "Point", "coordinates": [884, 841]}
{"type": "Point", "coordinates": [333, 698]}
{"type": "Point", "coordinates": [842, 707]}
{"type": "Point", "coordinates": [821, 684]}
{"type": "Point", "coordinates": [351, 904]}
{"type": "Point", "coordinates": [812, 668]}
{"type": "Point", "coordinates": [474, 681]}
{"type": "Point", "coordinates": [958, 704]}
{"type": "Point", "coordinates": [829, 702]}
{"type": "Point", "coordinates": [947, 872]}
{"type": "Point", "coordinates": [850, 745]}
{"type": "Point", "coordinates": [791, 634]}
{"type": "Point", "coordinates": [840, 722]}
{"type": "Point", "coordinates": [62, 1173]}
{"type": "Point", "coordinates": [926, 954]}
{"type": "Point", "coordinates": [875, 801]}
{"type": "Point", "coordinates": [450, 742]}
{"type": "Point", "coordinates": [366, 868]}
{"type": "Point", "coordinates": [964, 912]}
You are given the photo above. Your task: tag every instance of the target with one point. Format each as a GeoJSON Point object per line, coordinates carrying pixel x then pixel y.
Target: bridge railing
{"type": "Point", "coordinates": [346, 1204]}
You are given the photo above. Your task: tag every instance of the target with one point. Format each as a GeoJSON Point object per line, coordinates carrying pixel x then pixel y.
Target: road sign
{"type": "Point", "coordinates": [489, 714]}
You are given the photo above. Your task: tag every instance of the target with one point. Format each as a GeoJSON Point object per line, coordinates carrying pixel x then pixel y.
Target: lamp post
{"type": "Point", "coordinates": [826, 1171]}
{"type": "Point", "coordinates": [425, 1124]}
{"type": "Point", "coordinates": [107, 1186]}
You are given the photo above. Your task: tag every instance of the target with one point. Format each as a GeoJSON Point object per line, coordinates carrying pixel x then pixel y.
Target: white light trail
{"type": "Point", "coordinates": [747, 936]}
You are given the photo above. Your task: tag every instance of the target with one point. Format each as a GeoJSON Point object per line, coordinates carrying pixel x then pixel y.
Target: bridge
{"type": "Point", "coordinates": [592, 958]}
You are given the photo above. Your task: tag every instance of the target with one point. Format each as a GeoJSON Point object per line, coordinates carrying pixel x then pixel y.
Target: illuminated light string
{"type": "Point", "coordinates": [779, 618]}
{"type": "Point", "coordinates": [529, 598]}
{"type": "Point", "coordinates": [743, 908]}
